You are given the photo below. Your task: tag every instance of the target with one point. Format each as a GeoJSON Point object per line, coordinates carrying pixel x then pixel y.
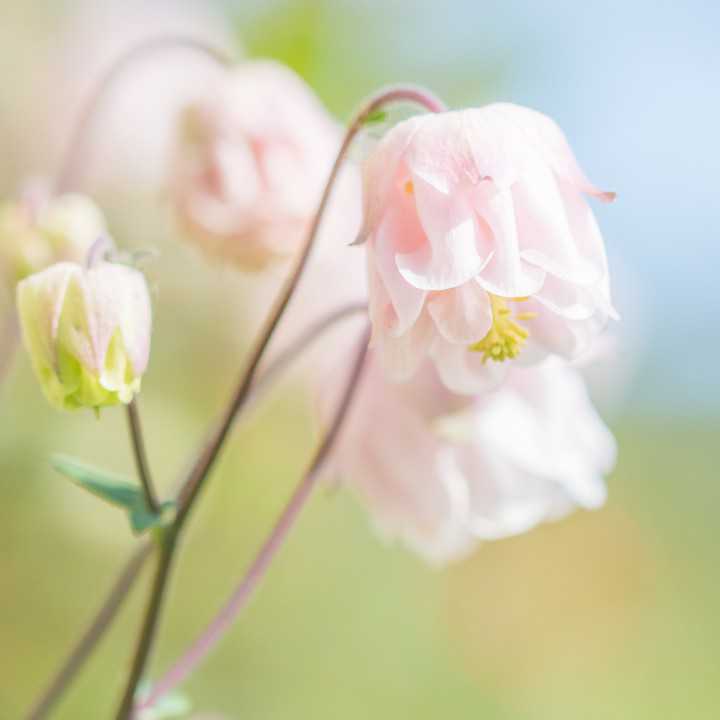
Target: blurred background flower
{"type": "Point", "coordinates": [441, 472]}
{"type": "Point", "coordinates": [134, 130]}
{"type": "Point", "coordinates": [607, 614]}
{"type": "Point", "coordinates": [251, 163]}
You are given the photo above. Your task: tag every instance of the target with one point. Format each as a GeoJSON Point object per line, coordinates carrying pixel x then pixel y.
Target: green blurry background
{"type": "Point", "coordinates": [610, 614]}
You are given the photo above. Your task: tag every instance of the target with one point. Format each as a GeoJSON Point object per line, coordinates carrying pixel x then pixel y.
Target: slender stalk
{"type": "Point", "coordinates": [150, 624]}
{"type": "Point", "coordinates": [259, 567]}
{"type": "Point", "coordinates": [124, 582]}
{"type": "Point", "coordinates": [296, 347]}
{"type": "Point", "coordinates": [141, 461]}
{"type": "Point", "coordinates": [206, 459]}
{"type": "Point", "coordinates": [74, 158]}
{"type": "Point", "coordinates": [92, 635]}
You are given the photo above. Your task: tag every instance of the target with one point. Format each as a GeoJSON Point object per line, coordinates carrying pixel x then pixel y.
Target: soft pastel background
{"type": "Point", "coordinates": [612, 614]}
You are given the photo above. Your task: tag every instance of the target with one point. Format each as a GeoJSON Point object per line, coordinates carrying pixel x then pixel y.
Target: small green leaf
{"type": "Point", "coordinates": [116, 490]}
{"type": "Point", "coordinates": [376, 117]}
{"type": "Point", "coordinates": [109, 487]}
{"type": "Point", "coordinates": [142, 518]}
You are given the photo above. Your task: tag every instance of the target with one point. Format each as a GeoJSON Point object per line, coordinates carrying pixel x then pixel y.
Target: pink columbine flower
{"type": "Point", "coordinates": [251, 164]}
{"type": "Point", "coordinates": [441, 472]}
{"type": "Point", "coordinates": [482, 250]}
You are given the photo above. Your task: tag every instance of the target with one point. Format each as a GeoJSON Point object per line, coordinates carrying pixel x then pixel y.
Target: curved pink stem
{"type": "Point", "coordinates": [259, 567]}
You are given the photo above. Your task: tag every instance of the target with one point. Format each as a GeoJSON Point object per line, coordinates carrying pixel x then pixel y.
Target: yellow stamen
{"type": "Point", "coordinates": [409, 187]}
{"type": "Point", "coordinates": [506, 337]}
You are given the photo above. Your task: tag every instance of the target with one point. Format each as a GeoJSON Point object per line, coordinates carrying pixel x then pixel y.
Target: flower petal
{"type": "Point", "coordinates": [505, 500]}
{"type": "Point", "coordinates": [463, 371]}
{"type": "Point", "coordinates": [550, 142]}
{"type": "Point", "coordinates": [573, 455]}
{"type": "Point", "coordinates": [407, 300]}
{"type": "Point", "coordinates": [544, 234]}
{"type": "Point", "coordinates": [570, 301]}
{"type": "Point", "coordinates": [120, 301]}
{"type": "Point", "coordinates": [507, 274]}
{"type": "Point", "coordinates": [382, 170]}
{"type": "Point", "coordinates": [403, 354]}
{"type": "Point", "coordinates": [586, 233]}
{"type": "Point", "coordinates": [391, 457]}
{"type": "Point", "coordinates": [462, 314]}
{"type": "Point", "coordinates": [40, 300]}
{"type": "Point", "coordinates": [451, 254]}
{"type": "Point", "coordinates": [559, 335]}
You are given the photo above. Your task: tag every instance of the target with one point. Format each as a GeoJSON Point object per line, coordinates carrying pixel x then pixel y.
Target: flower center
{"type": "Point", "coordinates": [506, 337]}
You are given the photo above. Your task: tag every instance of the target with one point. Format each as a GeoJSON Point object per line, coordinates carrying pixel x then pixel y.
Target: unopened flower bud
{"type": "Point", "coordinates": [87, 332]}
{"type": "Point", "coordinates": [34, 233]}
{"type": "Point", "coordinates": [23, 250]}
{"type": "Point", "coordinates": [71, 225]}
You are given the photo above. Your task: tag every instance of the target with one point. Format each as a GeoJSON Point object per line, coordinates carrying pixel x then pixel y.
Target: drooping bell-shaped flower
{"type": "Point", "coordinates": [482, 250]}
{"type": "Point", "coordinates": [251, 163]}
{"type": "Point", "coordinates": [441, 472]}
{"type": "Point", "coordinates": [87, 332]}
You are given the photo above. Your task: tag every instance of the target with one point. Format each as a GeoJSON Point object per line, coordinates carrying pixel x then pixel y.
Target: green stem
{"type": "Point", "coordinates": [141, 461]}
{"type": "Point", "coordinates": [148, 632]}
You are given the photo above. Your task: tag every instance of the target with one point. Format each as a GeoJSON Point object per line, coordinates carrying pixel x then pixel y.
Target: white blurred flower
{"type": "Point", "coordinates": [441, 473]}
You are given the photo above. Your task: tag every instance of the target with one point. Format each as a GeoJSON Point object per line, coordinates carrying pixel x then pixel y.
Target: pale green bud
{"type": "Point", "coordinates": [23, 249]}
{"type": "Point", "coordinates": [71, 224]}
{"type": "Point", "coordinates": [33, 235]}
{"type": "Point", "coordinates": [87, 332]}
